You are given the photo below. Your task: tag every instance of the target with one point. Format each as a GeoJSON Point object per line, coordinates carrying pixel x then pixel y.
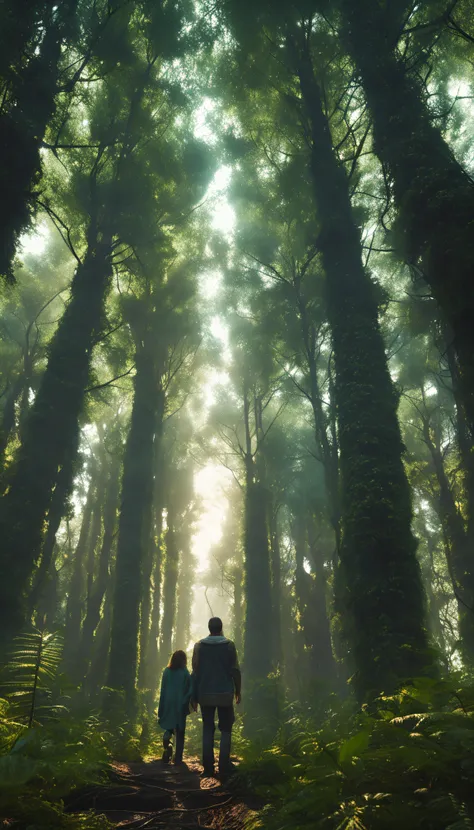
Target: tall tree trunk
{"type": "Point", "coordinates": [57, 509]}
{"type": "Point", "coordinates": [275, 568]}
{"type": "Point", "coordinates": [145, 608]}
{"type": "Point", "coordinates": [459, 553]}
{"type": "Point", "coordinates": [238, 609]}
{"type": "Point", "coordinates": [435, 602]}
{"type": "Point", "coordinates": [97, 591]}
{"type": "Point", "coordinates": [310, 590]}
{"type": "Point", "coordinates": [151, 659]}
{"type": "Point", "coordinates": [328, 450]}
{"type": "Point", "coordinates": [169, 589]}
{"type": "Point", "coordinates": [378, 553]}
{"type": "Point", "coordinates": [78, 594]}
{"type": "Point", "coordinates": [33, 92]}
{"type": "Point", "coordinates": [258, 611]}
{"type": "Point", "coordinates": [185, 596]}
{"type": "Point", "coordinates": [433, 194]}
{"type": "Point", "coordinates": [291, 640]}
{"type": "Point", "coordinates": [51, 432]}
{"type": "Point", "coordinates": [100, 652]}
{"type": "Point", "coordinates": [261, 708]}
{"type": "Point", "coordinates": [151, 553]}
{"type": "Point", "coordinates": [258, 640]}
{"type": "Point", "coordinates": [75, 594]}
{"type": "Point", "coordinates": [48, 600]}
{"type": "Point", "coordinates": [323, 657]}
{"type": "Point", "coordinates": [464, 439]}
{"type": "Point", "coordinates": [136, 505]}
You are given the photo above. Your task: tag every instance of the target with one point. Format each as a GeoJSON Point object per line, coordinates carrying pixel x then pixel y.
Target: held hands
{"type": "Point", "coordinates": [194, 705]}
{"type": "Point", "coordinates": [238, 698]}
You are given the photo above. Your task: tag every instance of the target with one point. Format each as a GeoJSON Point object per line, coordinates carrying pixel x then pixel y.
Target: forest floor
{"type": "Point", "coordinates": [154, 795]}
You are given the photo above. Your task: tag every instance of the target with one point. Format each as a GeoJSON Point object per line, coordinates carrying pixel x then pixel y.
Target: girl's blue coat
{"type": "Point", "coordinates": [175, 695]}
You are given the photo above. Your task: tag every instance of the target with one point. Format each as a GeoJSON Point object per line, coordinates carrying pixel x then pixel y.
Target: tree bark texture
{"type": "Point", "coordinates": [136, 505]}
{"type": "Point", "coordinates": [50, 434]}
{"type": "Point", "coordinates": [56, 512]}
{"type": "Point", "coordinates": [433, 194]}
{"type": "Point", "coordinates": [378, 552]}
{"type": "Point", "coordinates": [33, 90]}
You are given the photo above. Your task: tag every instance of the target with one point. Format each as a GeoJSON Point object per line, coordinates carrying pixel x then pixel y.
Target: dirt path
{"type": "Point", "coordinates": [154, 795]}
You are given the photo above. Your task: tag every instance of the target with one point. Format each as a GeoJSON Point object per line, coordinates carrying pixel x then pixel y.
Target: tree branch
{"type": "Point", "coordinates": [110, 382]}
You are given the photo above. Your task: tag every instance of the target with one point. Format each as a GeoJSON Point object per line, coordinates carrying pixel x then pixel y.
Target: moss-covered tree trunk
{"type": "Point", "coordinates": [50, 433]}
{"type": "Point", "coordinates": [136, 505]}
{"type": "Point", "coordinates": [433, 194]}
{"type": "Point", "coordinates": [465, 446]}
{"type": "Point", "coordinates": [99, 658]}
{"type": "Point", "coordinates": [378, 552]}
{"type": "Point", "coordinates": [46, 611]}
{"type": "Point", "coordinates": [56, 512]}
{"type": "Point", "coordinates": [459, 553]}
{"type": "Point", "coordinates": [28, 105]}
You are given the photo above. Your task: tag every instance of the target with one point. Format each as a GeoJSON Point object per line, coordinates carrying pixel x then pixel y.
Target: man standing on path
{"type": "Point", "coordinates": [215, 682]}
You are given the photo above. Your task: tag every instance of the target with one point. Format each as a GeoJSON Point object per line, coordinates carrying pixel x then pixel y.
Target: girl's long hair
{"type": "Point", "coordinates": [178, 660]}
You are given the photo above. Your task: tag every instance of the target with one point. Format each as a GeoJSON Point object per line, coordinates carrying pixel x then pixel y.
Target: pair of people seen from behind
{"type": "Point", "coordinates": [214, 684]}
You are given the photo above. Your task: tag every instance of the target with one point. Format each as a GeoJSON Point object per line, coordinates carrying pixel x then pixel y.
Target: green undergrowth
{"type": "Point", "coordinates": [43, 765]}
{"type": "Point", "coordinates": [405, 763]}
{"type": "Point", "coordinates": [50, 746]}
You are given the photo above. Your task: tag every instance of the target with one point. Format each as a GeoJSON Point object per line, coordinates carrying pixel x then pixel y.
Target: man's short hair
{"type": "Point", "coordinates": [215, 625]}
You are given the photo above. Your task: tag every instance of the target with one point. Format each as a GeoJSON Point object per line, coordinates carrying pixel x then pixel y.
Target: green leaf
{"type": "Point", "coordinates": [355, 746]}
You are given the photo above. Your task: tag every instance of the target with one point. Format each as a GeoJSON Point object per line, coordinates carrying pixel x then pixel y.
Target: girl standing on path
{"type": "Point", "coordinates": [173, 708]}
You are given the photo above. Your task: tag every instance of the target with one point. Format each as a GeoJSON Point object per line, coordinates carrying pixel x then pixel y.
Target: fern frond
{"type": "Point", "coordinates": [33, 663]}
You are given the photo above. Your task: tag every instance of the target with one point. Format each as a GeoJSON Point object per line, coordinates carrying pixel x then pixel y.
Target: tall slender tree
{"type": "Point", "coordinates": [433, 193]}
{"type": "Point", "coordinates": [378, 553]}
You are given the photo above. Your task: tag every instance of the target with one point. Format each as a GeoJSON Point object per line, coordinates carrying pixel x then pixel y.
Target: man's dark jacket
{"type": "Point", "coordinates": [216, 673]}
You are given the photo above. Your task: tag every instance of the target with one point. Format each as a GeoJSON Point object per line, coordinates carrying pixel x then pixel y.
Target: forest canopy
{"type": "Point", "coordinates": [237, 378]}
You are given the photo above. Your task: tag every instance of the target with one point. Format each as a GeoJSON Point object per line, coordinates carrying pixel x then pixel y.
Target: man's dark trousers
{"type": "Point", "coordinates": [226, 719]}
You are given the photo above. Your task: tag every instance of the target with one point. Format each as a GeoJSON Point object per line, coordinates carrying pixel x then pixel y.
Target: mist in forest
{"type": "Point", "coordinates": [237, 380]}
